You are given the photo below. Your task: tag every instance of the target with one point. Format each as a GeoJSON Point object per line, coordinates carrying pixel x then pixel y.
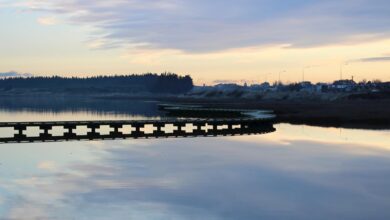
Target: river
{"type": "Point", "coordinates": [297, 172]}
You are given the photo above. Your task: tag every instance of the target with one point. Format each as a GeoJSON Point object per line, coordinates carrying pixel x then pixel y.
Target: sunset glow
{"type": "Point", "coordinates": [250, 40]}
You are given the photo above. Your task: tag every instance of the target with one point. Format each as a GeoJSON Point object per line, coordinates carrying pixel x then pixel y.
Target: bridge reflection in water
{"type": "Point", "coordinates": [97, 130]}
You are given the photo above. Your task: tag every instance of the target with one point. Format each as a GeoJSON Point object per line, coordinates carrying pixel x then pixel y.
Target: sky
{"type": "Point", "coordinates": [213, 41]}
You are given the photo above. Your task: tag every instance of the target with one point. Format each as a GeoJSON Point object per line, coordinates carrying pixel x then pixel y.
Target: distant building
{"type": "Point", "coordinates": [261, 87]}
{"type": "Point", "coordinates": [344, 85]}
{"type": "Point", "coordinates": [306, 86]}
{"type": "Point", "coordinates": [321, 87]}
{"type": "Point", "coordinates": [229, 86]}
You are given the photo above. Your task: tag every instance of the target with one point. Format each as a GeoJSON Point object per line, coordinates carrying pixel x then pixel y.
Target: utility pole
{"type": "Point", "coordinates": [303, 72]}
{"type": "Point", "coordinates": [279, 75]}
{"type": "Point", "coordinates": [266, 76]}
{"type": "Point", "coordinates": [341, 70]}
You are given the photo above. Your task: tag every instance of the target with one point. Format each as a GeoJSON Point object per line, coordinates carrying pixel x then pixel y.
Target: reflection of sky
{"type": "Point", "coordinates": [271, 176]}
{"type": "Point", "coordinates": [71, 108]}
{"type": "Point", "coordinates": [9, 116]}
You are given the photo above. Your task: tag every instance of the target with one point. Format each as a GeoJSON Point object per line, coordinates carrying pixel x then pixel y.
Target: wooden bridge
{"type": "Point", "coordinates": [244, 122]}
{"type": "Point", "coordinates": [93, 130]}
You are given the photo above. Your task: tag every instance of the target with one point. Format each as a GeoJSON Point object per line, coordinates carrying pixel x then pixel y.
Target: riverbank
{"type": "Point", "coordinates": [356, 112]}
{"type": "Point", "coordinates": [372, 114]}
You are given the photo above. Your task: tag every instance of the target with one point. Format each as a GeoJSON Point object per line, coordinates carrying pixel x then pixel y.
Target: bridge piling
{"type": "Point", "coordinates": [92, 134]}
{"type": "Point", "coordinates": [19, 135]}
{"type": "Point", "coordinates": [69, 134]}
{"type": "Point", "coordinates": [45, 129]}
{"type": "Point", "coordinates": [116, 133]}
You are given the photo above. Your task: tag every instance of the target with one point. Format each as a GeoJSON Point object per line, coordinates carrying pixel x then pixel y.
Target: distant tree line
{"type": "Point", "coordinates": [150, 82]}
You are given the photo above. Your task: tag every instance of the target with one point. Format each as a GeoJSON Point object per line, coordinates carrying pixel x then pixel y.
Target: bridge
{"type": "Point", "coordinates": [252, 123]}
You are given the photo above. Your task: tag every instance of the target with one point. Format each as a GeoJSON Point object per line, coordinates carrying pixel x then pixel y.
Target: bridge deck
{"type": "Point", "coordinates": [134, 129]}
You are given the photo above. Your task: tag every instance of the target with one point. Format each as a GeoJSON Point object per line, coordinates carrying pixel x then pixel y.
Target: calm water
{"type": "Point", "coordinates": [297, 172]}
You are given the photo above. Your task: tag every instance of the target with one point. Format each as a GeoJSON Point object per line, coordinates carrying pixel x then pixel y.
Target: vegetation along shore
{"type": "Point", "coordinates": [343, 103]}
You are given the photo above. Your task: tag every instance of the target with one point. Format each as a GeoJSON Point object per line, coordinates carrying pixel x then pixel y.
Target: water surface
{"type": "Point", "coordinates": [297, 172]}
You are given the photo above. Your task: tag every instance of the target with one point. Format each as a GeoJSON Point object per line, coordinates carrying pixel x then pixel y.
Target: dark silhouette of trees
{"type": "Point", "coordinates": [150, 82]}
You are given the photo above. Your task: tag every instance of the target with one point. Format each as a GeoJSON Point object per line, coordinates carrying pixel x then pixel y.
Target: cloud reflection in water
{"type": "Point", "coordinates": [258, 177]}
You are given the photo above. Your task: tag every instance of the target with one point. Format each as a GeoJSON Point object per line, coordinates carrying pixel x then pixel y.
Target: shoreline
{"type": "Point", "coordinates": [364, 114]}
{"type": "Point", "coordinates": [345, 113]}
{"type": "Point", "coordinates": [342, 113]}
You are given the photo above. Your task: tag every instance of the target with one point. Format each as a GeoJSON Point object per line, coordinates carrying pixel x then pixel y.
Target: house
{"type": "Point", "coordinates": [344, 85]}
{"type": "Point", "coordinates": [306, 86]}
{"type": "Point", "coordinates": [261, 87]}
{"type": "Point", "coordinates": [227, 87]}
{"type": "Point", "coordinates": [321, 87]}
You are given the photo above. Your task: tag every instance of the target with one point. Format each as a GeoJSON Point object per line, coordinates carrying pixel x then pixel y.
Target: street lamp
{"type": "Point", "coordinates": [341, 69]}
{"type": "Point", "coordinates": [303, 72]}
{"type": "Point", "coordinates": [266, 76]}
{"type": "Point", "coordinates": [279, 75]}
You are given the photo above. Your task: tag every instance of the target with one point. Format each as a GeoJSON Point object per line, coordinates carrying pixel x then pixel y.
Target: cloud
{"type": "Point", "coordinates": [47, 165]}
{"type": "Point", "coordinates": [14, 74]}
{"type": "Point", "coordinates": [225, 81]}
{"type": "Point", "coordinates": [238, 81]}
{"type": "Point", "coordinates": [374, 59]}
{"type": "Point", "coordinates": [6, 3]}
{"type": "Point", "coordinates": [215, 180]}
{"type": "Point", "coordinates": [203, 26]}
{"type": "Point", "coordinates": [47, 20]}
